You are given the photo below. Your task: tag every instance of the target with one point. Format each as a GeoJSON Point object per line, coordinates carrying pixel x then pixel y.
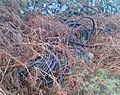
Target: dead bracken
{"type": "Point", "coordinates": [58, 55]}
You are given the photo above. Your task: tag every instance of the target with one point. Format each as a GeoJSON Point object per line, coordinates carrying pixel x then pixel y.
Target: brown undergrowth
{"type": "Point", "coordinates": [22, 40]}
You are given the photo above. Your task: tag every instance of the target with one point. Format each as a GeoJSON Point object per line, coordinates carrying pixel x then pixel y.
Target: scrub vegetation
{"type": "Point", "coordinates": [59, 47]}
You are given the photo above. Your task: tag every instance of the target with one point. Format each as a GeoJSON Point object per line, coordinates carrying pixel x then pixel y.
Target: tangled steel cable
{"type": "Point", "coordinates": [49, 66]}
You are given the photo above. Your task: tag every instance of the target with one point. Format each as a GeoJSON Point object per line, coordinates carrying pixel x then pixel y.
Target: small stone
{"type": "Point", "coordinates": [89, 57]}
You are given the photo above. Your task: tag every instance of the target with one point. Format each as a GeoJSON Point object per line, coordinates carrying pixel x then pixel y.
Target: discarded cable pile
{"type": "Point", "coordinates": [51, 66]}
{"type": "Point", "coordinates": [50, 69]}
